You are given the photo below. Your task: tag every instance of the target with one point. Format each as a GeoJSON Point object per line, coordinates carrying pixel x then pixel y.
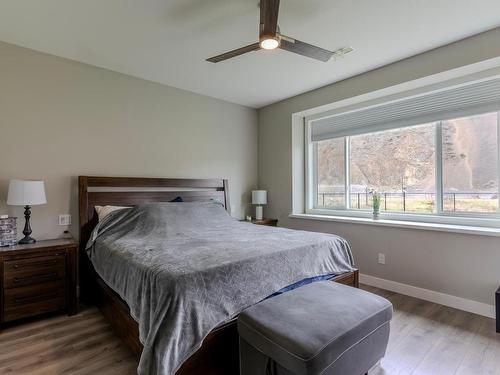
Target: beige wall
{"type": "Point", "coordinates": [467, 266]}
{"type": "Point", "coordinates": [60, 119]}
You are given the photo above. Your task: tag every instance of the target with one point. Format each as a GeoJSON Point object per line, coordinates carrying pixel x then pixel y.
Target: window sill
{"type": "Point", "coordinates": [453, 228]}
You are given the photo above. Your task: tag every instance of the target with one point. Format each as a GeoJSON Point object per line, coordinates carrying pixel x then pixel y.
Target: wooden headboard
{"type": "Point", "coordinates": [130, 191]}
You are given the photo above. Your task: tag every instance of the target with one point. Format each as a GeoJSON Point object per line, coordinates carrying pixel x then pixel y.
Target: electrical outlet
{"type": "Point", "coordinates": [381, 258]}
{"type": "Point", "coordinates": [65, 219]}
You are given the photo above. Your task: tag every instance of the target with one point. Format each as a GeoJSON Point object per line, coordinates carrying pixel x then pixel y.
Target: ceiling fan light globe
{"type": "Point", "coordinates": [269, 43]}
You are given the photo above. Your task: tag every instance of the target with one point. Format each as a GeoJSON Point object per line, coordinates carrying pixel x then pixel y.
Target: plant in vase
{"type": "Point", "coordinates": [375, 203]}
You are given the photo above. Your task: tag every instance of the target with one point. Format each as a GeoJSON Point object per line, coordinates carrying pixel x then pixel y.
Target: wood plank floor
{"type": "Point", "coordinates": [426, 338]}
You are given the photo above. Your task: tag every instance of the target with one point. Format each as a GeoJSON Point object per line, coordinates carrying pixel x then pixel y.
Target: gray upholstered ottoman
{"type": "Point", "coordinates": [321, 328]}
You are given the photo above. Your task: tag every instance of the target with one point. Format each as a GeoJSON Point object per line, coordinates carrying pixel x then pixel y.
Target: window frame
{"type": "Point", "coordinates": [482, 219]}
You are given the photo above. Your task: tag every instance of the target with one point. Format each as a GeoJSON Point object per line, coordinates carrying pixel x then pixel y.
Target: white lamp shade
{"type": "Point", "coordinates": [26, 193]}
{"type": "Point", "coordinates": [259, 197]}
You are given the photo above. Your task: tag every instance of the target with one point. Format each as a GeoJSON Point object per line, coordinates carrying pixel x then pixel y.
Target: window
{"type": "Point", "coordinates": [331, 173]}
{"type": "Point", "coordinates": [400, 164]}
{"type": "Point", "coordinates": [470, 164]}
{"type": "Point", "coordinates": [444, 168]}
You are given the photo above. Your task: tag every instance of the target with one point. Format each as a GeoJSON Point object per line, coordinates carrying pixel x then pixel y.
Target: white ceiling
{"type": "Point", "coordinates": [167, 41]}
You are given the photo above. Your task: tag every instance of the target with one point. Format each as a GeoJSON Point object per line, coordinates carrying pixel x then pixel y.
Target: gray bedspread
{"type": "Point", "coordinates": [185, 268]}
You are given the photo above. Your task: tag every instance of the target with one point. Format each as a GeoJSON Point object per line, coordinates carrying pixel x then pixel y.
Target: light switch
{"type": "Point", "coordinates": [65, 219]}
{"type": "Point", "coordinates": [381, 258]}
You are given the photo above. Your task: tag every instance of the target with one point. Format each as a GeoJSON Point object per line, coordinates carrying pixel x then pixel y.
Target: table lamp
{"type": "Point", "coordinates": [26, 193]}
{"type": "Point", "coordinates": [259, 197]}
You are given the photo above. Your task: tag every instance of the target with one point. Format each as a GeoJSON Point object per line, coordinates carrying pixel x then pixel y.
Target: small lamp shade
{"type": "Point", "coordinates": [26, 193]}
{"type": "Point", "coordinates": [259, 197]}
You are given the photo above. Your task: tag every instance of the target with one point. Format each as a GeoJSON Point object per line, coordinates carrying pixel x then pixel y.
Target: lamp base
{"type": "Point", "coordinates": [26, 241]}
{"type": "Point", "coordinates": [258, 213]}
{"type": "Point", "coordinates": [27, 227]}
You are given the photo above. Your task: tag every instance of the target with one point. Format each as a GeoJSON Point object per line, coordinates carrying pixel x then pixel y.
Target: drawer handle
{"type": "Point", "coordinates": [37, 277]}
{"type": "Point", "coordinates": [37, 298]}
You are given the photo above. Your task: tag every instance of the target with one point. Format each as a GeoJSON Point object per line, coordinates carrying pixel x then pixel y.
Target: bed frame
{"type": "Point", "coordinates": [219, 353]}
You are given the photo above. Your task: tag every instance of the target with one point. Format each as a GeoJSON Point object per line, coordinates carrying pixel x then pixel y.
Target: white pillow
{"type": "Point", "coordinates": [103, 211]}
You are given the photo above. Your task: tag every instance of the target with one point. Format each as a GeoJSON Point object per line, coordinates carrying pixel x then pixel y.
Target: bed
{"type": "Point", "coordinates": [218, 353]}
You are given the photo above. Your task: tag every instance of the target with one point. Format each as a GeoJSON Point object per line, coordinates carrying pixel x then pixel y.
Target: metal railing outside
{"type": "Point", "coordinates": [451, 200]}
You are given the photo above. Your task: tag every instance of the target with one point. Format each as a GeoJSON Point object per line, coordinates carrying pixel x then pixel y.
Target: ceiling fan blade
{"type": "Point", "coordinates": [269, 10]}
{"type": "Point", "coordinates": [234, 53]}
{"type": "Point", "coordinates": [305, 49]}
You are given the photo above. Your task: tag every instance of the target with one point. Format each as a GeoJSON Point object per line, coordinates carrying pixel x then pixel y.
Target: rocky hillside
{"type": "Point", "coordinates": [397, 159]}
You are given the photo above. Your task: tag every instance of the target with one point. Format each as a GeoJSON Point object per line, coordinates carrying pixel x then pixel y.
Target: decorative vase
{"type": "Point", "coordinates": [8, 231]}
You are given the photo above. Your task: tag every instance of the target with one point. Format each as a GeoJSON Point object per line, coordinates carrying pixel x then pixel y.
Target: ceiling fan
{"type": "Point", "coordinates": [270, 38]}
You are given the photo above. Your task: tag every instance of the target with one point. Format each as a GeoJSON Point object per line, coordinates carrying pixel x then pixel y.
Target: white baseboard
{"type": "Point", "coordinates": [430, 295]}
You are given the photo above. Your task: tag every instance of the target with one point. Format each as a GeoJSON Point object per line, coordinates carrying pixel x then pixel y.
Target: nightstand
{"type": "Point", "coordinates": [268, 222]}
{"type": "Point", "coordinates": [38, 278]}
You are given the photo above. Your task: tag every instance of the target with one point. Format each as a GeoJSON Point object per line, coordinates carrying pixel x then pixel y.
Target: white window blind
{"type": "Point", "coordinates": [464, 100]}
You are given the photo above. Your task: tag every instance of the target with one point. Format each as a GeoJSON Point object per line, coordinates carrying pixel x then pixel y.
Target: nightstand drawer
{"type": "Point", "coordinates": [32, 300]}
{"type": "Point", "coordinates": [34, 270]}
